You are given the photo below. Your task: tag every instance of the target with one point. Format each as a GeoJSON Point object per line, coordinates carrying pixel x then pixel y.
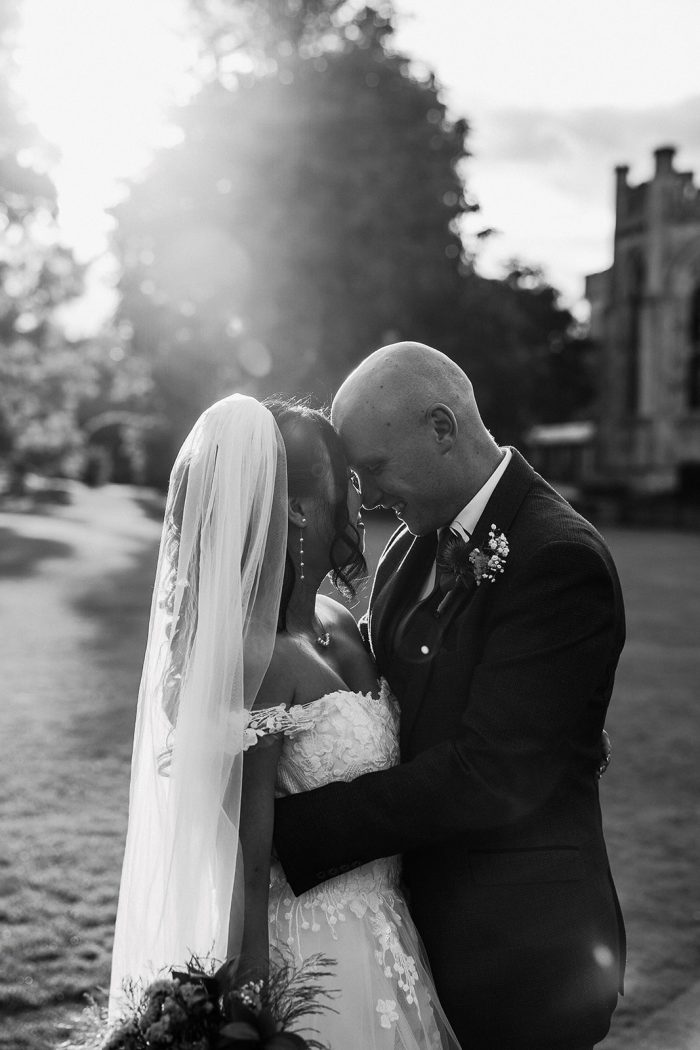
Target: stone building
{"type": "Point", "coordinates": [645, 316]}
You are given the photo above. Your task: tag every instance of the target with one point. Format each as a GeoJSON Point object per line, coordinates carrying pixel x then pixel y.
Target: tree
{"type": "Point", "coordinates": [559, 356]}
{"type": "Point", "coordinates": [41, 377]}
{"type": "Point", "coordinates": [529, 361]}
{"type": "Point", "coordinates": [308, 214]}
{"type": "Point", "coordinates": [255, 34]}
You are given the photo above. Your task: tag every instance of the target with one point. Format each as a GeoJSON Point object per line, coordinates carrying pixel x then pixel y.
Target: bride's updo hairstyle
{"type": "Point", "coordinates": [311, 444]}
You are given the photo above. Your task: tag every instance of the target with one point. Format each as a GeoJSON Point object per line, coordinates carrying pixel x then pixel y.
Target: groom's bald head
{"type": "Point", "coordinates": [411, 409]}
{"type": "Point", "coordinates": [397, 375]}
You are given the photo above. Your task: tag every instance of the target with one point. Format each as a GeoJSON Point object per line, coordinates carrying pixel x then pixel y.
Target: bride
{"type": "Point", "coordinates": [255, 685]}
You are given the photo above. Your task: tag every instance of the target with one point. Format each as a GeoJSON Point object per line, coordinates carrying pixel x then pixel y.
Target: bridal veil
{"type": "Point", "coordinates": [211, 635]}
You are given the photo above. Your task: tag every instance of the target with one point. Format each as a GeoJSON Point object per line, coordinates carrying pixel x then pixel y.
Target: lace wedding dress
{"type": "Point", "coordinates": [386, 997]}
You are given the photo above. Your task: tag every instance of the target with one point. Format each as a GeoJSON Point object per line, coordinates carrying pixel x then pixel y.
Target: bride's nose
{"type": "Point", "coordinates": [371, 504]}
{"type": "Point", "coordinates": [370, 494]}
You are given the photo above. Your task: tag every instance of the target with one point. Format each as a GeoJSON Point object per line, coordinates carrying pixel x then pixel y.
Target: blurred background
{"type": "Point", "coordinates": [206, 196]}
{"type": "Point", "coordinates": [200, 196]}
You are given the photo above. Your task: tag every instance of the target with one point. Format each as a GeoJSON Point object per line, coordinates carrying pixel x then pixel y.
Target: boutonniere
{"type": "Point", "coordinates": [456, 564]}
{"type": "Point", "coordinates": [487, 564]}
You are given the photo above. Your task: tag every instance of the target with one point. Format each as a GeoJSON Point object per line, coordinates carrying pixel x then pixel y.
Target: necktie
{"type": "Point", "coordinates": [442, 582]}
{"type": "Point", "coordinates": [443, 574]}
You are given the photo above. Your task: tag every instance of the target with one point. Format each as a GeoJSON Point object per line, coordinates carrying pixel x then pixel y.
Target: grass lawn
{"type": "Point", "coordinates": [74, 591]}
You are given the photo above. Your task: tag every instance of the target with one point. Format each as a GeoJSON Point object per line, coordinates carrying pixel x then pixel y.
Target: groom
{"type": "Point", "coordinates": [501, 646]}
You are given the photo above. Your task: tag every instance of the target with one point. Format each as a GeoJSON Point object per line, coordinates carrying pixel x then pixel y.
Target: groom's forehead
{"type": "Point", "coordinates": [370, 435]}
{"type": "Point", "coordinates": [366, 449]}
{"type": "Point", "coordinates": [360, 452]}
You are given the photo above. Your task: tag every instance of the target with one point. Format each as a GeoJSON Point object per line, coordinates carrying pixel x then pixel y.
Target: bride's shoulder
{"type": "Point", "coordinates": [280, 679]}
{"type": "Point", "coordinates": [336, 616]}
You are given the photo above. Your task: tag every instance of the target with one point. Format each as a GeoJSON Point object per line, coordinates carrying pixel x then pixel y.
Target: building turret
{"type": "Point", "coordinates": [646, 319]}
{"type": "Point", "coordinates": [664, 160]}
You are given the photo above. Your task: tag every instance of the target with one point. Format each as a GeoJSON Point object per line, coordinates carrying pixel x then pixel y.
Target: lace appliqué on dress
{"type": "Point", "coordinates": [368, 894]}
{"type": "Point", "coordinates": [353, 733]}
{"type": "Point", "coordinates": [403, 969]}
{"type": "Point", "coordinates": [269, 720]}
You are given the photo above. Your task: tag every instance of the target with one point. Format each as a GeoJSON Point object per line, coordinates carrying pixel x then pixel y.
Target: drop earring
{"type": "Point", "coordinates": [301, 549]}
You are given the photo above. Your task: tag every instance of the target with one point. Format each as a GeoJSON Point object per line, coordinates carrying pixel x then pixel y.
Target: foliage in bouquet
{"type": "Point", "coordinates": [171, 1014]}
{"type": "Point", "coordinates": [198, 1010]}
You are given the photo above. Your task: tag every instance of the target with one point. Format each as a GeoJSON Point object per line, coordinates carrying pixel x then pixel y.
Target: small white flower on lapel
{"type": "Point", "coordinates": [487, 564]}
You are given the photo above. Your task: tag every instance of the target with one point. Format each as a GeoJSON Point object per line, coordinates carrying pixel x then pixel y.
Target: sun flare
{"type": "Point", "coordinates": [97, 77]}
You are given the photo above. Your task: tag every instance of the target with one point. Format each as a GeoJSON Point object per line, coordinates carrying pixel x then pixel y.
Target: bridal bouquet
{"type": "Point", "coordinates": [196, 1010]}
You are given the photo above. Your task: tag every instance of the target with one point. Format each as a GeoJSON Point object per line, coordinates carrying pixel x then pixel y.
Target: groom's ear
{"type": "Point", "coordinates": [444, 425]}
{"type": "Point", "coordinates": [296, 512]}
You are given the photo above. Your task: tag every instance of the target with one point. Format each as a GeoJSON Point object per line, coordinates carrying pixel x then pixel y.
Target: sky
{"type": "Point", "coordinates": [556, 92]}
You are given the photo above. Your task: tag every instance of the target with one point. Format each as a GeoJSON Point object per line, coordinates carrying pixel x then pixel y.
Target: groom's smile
{"type": "Point", "coordinates": [402, 476]}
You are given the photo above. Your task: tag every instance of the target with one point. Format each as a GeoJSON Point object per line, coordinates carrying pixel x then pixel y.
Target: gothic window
{"type": "Point", "coordinates": [693, 374]}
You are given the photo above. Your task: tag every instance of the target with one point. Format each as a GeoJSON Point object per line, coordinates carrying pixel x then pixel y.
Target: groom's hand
{"type": "Point", "coordinates": [605, 755]}
{"type": "Point", "coordinates": [363, 626]}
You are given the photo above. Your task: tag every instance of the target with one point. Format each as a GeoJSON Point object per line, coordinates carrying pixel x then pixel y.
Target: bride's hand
{"type": "Point", "coordinates": [242, 969]}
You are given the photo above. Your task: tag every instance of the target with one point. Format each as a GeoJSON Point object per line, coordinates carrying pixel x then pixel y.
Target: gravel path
{"type": "Point", "coordinates": [73, 605]}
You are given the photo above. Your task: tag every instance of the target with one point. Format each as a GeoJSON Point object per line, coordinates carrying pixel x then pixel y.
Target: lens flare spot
{"type": "Point", "coordinates": [603, 956]}
{"type": "Point", "coordinates": [255, 358]}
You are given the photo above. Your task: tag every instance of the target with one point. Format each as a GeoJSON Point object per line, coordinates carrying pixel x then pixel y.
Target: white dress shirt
{"type": "Point", "coordinates": [467, 519]}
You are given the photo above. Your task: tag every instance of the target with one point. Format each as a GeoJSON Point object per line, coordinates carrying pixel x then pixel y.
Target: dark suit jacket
{"type": "Point", "coordinates": [495, 804]}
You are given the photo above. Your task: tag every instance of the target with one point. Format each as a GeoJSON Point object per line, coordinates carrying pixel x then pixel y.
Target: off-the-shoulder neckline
{"type": "Point", "coordinates": [369, 695]}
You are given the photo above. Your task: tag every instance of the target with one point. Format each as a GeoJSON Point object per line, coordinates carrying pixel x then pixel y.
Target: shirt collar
{"type": "Point", "coordinates": [467, 519]}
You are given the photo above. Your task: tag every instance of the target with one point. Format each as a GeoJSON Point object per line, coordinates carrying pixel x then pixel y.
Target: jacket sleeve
{"type": "Point", "coordinates": [537, 699]}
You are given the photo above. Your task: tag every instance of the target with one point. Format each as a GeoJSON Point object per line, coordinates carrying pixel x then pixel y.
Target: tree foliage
{"type": "Point", "coordinates": [528, 359]}
{"type": "Point", "coordinates": [309, 211]}
{"type": "Point", "coordinates": [255, 34]}
{"type": "Point", "coordinates": [308, 214]}
{"type": "Point", "coordinates": [41, 375]}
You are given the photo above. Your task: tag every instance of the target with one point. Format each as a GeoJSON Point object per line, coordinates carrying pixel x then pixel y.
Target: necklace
{"type": "Point", "coordinates": [324, 638]}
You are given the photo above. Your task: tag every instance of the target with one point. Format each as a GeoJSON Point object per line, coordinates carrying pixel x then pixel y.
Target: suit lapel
{"type": "Point", "coordinates": [505, 501]}
{"type": "Point", "coordinates": [405, 562]}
